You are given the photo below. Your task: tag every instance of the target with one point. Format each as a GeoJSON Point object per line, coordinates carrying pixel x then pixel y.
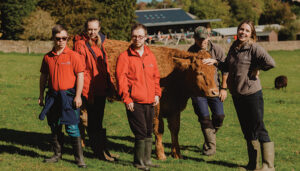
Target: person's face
{"type": "Point", "coordinates": [138, 38]}
{"type": "Point", "coordinates": [244, 32]}
{"type": "Point", "coordinates": [202, 43]}
{"type": "Point", "coordinates": [93, 29]}
{"type": "Point", "coordinates": [60, 39]}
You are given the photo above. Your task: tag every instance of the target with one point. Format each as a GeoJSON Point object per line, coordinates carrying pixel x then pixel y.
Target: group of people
{"type": "Point", "coordinates": [79, 79]}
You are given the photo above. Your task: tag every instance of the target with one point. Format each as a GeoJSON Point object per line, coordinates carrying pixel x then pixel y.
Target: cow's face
{"type": "Point", "coordinates": [199, 77]}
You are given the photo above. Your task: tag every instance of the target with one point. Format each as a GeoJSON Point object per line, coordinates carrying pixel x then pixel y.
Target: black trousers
{"type": "Point", "coordinates": [95, 114]}
{"type": "Point", "coordinates": [141, 120]}
{"type": "Point", "coordinates": [250, 111]}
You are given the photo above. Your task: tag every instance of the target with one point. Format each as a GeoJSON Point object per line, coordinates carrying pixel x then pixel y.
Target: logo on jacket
{"type": "Point", "coordinates": [66, 63]}
{"type": "Point", "coordinates": [150, 65]}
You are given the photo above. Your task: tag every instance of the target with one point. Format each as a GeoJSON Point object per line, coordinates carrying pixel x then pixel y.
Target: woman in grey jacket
{"type": "Point", "coordinates": [244, 60]}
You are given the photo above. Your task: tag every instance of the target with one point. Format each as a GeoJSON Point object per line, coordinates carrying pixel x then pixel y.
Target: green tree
{"type": "Point", "coordinates": [70, 13]}
{"type": "Point", "coordinates": [12, 14]}
{"type": "Point", "coordinates": [246, 9]}
{"type": "Point", "coordinates": [116, 17]}
{"type": "Point", "coordinates": [276, 12]}
{"type": "Point", "coordinates": [211, 10]}
{"type": "Point", "coordinates": [289, 32]}
{"type": "Point", "coordinates": [37, 26]}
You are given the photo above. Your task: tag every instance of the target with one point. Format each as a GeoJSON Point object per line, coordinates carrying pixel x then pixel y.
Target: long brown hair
{"type": "Point", "coordinates": [98, 41]}
{"type": "Point", "coordinates": [251, 24]}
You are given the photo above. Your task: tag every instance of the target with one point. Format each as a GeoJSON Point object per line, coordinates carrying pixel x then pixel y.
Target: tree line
{"type": "Point", "coordinates": [33, 19]}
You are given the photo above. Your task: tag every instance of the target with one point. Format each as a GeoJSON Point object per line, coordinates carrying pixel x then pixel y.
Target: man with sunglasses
{"type": "Point", "coordinates": [209, 125]}
{"type": "Point", "coordinates": [63, 70]}
{"type": "Point", "coordinates": [138, 81]}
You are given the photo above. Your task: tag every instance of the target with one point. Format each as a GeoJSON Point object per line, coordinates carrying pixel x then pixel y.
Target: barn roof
{"type": "Point", "coordinates": [169, 16]}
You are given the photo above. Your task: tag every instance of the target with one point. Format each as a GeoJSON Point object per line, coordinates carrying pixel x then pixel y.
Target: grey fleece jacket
{"type": "Point", "coordinates": [240, 63]}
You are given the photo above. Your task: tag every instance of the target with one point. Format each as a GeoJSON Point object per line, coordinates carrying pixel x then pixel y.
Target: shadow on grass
{"type": "Point", "coordinates": [41, 141]}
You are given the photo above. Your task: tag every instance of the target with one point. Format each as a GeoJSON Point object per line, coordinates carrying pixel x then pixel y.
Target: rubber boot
{"type": "Point", "coordinates": [268, 155]}
{"type": "Point", "coordinates": [57, 145]}
{"type": "Point", "coordinates": [148, 151]}
{"type": "Point", "coordinates": [78, 153]}
{"type": "Point", "coordinates": [209, 146]}
{"type": "Point", "coordinates": [139, 155]}
{"type": "Point", "coordinates": [104, 154]}
{"type": "Point", "coordinates": [253, 148]}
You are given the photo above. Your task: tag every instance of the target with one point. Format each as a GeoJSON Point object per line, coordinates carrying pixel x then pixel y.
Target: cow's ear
{"type": "Point", "coordinates": [182, 64]}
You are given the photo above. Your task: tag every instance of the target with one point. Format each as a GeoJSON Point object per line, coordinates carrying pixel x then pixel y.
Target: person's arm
{"type": "Point", "coordinates": [43, 81]}
{"type": "Point", "coordinates": [79, 87]}
{"type": "Point", "coordinates": [262, 59]}
{"type": "Point", "coordinates": [122, 81]}
{"type": "Point", "coordinates": [223, 89]}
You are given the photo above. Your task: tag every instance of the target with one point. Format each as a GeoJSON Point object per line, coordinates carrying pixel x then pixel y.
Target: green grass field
{"type": "Point", "coordinates": [24, 139]}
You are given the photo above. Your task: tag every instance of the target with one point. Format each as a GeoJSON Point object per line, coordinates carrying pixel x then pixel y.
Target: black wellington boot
{"type": "Point", "coordinates": [148, 151]}
{"type": "Point", "coordinates": [57, 145]}
{"type": "Point", "coordinates": [139, 155]}
{"type": "Point", "coordinates": [78, 153]}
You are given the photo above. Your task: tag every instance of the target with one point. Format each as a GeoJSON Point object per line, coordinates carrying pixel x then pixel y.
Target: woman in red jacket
{"type": "Point", "coordinates": [96, 84]}
{"type": "Point", "coordinates": [138, 82]}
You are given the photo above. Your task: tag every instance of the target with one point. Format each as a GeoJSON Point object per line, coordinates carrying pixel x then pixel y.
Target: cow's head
{"type": "Point", "coordinates": [199, 77]}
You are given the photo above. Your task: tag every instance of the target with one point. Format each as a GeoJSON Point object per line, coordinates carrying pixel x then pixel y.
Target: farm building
{"type": "Point", "coordinates": [170, 20]}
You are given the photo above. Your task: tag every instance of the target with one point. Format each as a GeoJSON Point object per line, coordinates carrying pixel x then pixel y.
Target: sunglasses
{"type": "Point", "coordinates": [61, 38]}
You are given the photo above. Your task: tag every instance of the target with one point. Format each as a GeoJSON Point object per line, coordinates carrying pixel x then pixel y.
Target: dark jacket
{"type": "Point", "coordinates": [240, 63]}
{"type": "Point", "coordinates": [63, 100]}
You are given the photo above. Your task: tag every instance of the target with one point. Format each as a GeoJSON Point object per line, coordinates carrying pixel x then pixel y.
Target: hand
{"type": "Point", "coordinates": [255, 74]}
{"type": "Point", "coordinates": [156, 100]}
{"type": "Point", "coordinates": [41, 100]}
{"type": "Point", "coordinates": [77, 101]}
{"type": "Point", "coordinates": [223, 95]}
{"type": "Point", "coordinates": [209, 61]}
{"type": "Point", "coordinates": [130, 107]}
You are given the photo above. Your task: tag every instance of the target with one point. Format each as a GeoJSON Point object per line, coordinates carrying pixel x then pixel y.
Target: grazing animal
{"type": "Point", "coordinates": [281, 82]}
{"type": "Point", "coordinates": [182, 75]}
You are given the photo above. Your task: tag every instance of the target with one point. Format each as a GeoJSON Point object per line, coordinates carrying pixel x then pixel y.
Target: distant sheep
{"type": "Point", "coordinates": [281, 82]}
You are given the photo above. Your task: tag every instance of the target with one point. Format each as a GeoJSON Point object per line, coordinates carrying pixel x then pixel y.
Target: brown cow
{"type": "Point", "coordinates": [182, 75]}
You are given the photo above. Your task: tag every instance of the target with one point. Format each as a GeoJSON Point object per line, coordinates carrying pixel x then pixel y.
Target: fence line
{"type": "Point", "coordinates": [45, 46]}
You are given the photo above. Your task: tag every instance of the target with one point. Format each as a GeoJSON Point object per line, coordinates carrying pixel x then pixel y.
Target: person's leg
{"type": "Point", "coordinates": [200, 105]}
{"type": "Point", "coordinates": [148, 141]}
{"type": "Point", "coordinates": [83, 124]}
{"type": "Point", "coordinates": [56, 143]}
{"type": "Point", "coordinates": [216, 108]}
{"type": "Point", "coordinates": [74, 133]}
{"type": "Point", "coordinates": [137, 123]}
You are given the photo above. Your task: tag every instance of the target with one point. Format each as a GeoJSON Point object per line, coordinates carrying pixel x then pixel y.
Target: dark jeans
{"type": "Point", "coordinates": [250, 111]}
{"type": "Point", "coordinates": [95, 114]}
{"type": "Point", "coordinates": [140, 120]}
{"type": "Point", "coordinates": [201, 105]}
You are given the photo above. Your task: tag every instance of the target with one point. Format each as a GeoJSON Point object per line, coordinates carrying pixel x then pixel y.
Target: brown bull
{"type": "Point", "coordinates": [182, 75]}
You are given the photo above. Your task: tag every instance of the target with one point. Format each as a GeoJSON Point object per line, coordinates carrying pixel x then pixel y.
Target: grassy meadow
{"type": "Point", "coordinates": [24, 138]}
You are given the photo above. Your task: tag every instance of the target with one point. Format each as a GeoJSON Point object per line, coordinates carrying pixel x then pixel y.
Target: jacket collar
{"type": "Point", "coordinates": [133, 52]}
{"type": "Point", "coordinates": [66, 50]}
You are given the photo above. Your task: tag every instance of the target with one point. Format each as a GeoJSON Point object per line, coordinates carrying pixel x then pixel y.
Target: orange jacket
{"type": "Point", "coordinates": [138, 76]}
{"type": "Point", "coordinates": [96, 72]}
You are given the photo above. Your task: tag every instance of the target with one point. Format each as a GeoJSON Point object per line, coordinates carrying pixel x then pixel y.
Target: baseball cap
{"type": "Point", "coordinates": [201, 33]}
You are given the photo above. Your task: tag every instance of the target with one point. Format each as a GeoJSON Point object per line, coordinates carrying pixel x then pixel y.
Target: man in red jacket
{"type": "Point", "coordinates": [96, 84]}
{"type": "Point", "coordinates": [63, 70]}
{"type": "Point", "coordinates": [138, 82]}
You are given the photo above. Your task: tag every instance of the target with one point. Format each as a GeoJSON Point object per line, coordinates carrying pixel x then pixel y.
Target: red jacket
{"type": "Point", "coordinates": [96, 72]}
{"type": "Point", "coordinates": [138, 76]}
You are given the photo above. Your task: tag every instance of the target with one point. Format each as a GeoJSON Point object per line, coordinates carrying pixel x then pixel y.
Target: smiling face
{"type": "Point", "coordinates": [244, 32]}
{"type": "Point", "coordinates": [93, 28]}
